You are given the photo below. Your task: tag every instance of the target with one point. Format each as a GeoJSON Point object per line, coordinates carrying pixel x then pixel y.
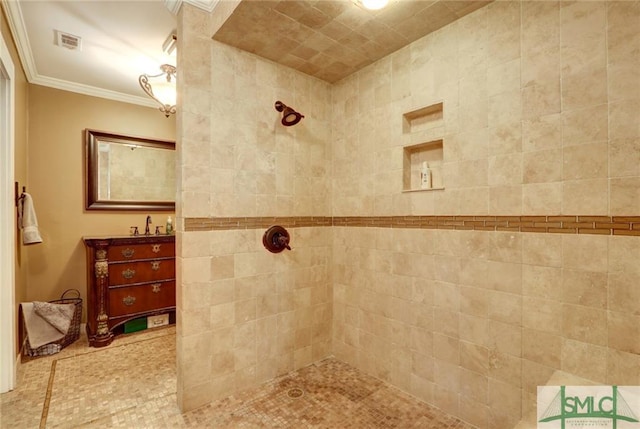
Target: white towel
{"type": "Point", "coordinates": [39, 331]}
{"type": "Point", "coordinates": [28, 221]}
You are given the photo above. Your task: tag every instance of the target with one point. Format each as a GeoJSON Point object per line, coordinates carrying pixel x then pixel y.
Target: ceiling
{"type": "Point", "coordinates": [332, 39]}
{"type": "Point", "coordinates": [122, 39]}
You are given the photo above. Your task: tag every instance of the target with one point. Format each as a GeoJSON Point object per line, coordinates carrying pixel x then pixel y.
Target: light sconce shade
{"type": "Point", "coordinates": [289, 116]}
{"type": "Point", "coordinates": [374, 4]}
{"type": "Point", "coordinates": [164, 88]}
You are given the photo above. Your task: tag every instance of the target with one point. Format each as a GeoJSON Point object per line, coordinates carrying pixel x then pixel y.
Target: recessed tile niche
{"type": "Point", "coordinates": [424, 128]}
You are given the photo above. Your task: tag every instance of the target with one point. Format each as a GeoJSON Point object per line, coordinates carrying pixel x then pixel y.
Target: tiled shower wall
{"type": "Point", "coordinates": [541, 106]}
{"type": "Point", "coordinates": [246, 315]}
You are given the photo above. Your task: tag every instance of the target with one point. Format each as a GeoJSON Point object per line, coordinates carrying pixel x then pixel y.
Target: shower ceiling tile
{"type": "Point", "coordinates": [333, 39]}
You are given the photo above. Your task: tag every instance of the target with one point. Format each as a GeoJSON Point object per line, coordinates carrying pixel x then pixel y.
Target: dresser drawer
{"type": "Point", "coordinates": [140, 251]}
{"type": "Point", "coordinates": [141, 298]}
{"type": "Point", "coordinates": [141, 271]}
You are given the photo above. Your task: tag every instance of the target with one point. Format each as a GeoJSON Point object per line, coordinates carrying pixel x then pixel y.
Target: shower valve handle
{"type": "Point", "coordinates": [283, 240]}
{"type": "Point", "coordinates": [276, 239]}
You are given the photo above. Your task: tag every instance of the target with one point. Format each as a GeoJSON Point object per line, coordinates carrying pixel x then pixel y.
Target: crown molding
{"type": "Point", "coordinates": [20, 38]}
{"type": "Point", "coordinates": [93, 91]}
{"type": "Point", "coordinates": [206, 5]}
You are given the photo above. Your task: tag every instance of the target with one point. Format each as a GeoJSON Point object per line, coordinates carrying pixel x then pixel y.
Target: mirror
{"type": "Point", "coordinates": [129, 173]}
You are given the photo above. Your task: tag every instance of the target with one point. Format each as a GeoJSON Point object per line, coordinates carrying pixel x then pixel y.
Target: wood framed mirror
{"type": "Point", "coordinates": [129, 172]}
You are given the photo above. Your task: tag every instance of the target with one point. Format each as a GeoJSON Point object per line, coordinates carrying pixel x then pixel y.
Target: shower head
{"type": "Point", "coordinates": [289, 116]}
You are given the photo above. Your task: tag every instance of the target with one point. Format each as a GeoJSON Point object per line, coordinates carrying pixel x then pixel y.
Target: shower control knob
{"type": "Point", "coordinates": [276, 239]}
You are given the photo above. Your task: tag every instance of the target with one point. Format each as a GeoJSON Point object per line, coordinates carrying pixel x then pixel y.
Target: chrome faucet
{"type": "Point", "coordinates": [146, 228]}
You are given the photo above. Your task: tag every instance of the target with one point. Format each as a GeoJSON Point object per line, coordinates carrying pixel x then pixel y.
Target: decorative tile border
{"type": "Point", "coordinates": [603, 225]}
{"type": "Point", "coordinates": [225, 223]}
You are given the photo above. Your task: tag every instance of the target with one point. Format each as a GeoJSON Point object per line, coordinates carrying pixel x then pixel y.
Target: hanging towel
{"type": "Point", "coordinates": [57, 315]}
{"type": "Point", "coordinates": [39, 331]}
{"type": "Point", "coordinates": [28, 221]}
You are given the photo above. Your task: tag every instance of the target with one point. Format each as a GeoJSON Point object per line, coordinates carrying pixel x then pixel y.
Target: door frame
{"type": "Point", "coordinates": [8, 236]}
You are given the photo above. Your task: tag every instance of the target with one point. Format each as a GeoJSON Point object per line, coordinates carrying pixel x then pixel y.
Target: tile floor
{"type": "Point", "coordinates": [132, 384]}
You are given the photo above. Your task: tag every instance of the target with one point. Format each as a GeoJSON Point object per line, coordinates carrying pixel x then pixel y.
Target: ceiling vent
{"type": "Point", "coordinates": [68, 41]}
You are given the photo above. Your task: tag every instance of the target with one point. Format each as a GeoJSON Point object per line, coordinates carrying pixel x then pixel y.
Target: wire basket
{"type": "Point", "coordinates": [74, 328]}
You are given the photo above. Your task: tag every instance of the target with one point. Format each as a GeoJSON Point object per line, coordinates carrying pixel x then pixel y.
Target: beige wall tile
{"type": "Point", "coordinates": [623, 368]}
{"type": "Point", "coordinates": [585, 252]}
{"type": "Point", "coordinates": [541, 347]}
{"type": "Point", "coordinates": [196, 270]}
{"type": "Point", "coordinates": [505, 200]}
{"type": "Point", "coordinates": [540, 41]}
{"type": "Point", "coordinates": [542, 282]}
{"type": "Point", "coordinates": [585, 288]}
{"type": "Point", "coordinates": [542, 198]}
{"type": "Point", "coordinates": [623, 117]}
{"type": "Point", "coordinates": [623, 292]}
{"type": "Point", "coordinates": [474, 357]}
{"type": "Point", "coordinates": [541, 99]}
{"type": "Point", "coordinates": [625, 195]}
{"type": "Point", "coordinates": [505, 338]}
{"type": "Point", "coordinates": [473, 385]}
{"type": "Point", "coordinates": [624, 332]}
{"type": "Point", "coordinates": [542, 250]}
{"type": "Point", "coordinates": [505, 139]}
{"type": "Point", "coordinates": [474, 412]}
{"type": "Point", "coordinates": [624, 157]}
{"type": "Point", "coordinates": [584, 360]}
{"type": "Point", "coordinates": [505, 404]}
{"type": "Point", "coordinates": [505, 170]}
{"type": "Point", "coordinates": [505, 307]}
{"type": "Point", "coordinates": [542, 133]}
{"type": "Point", "coordinates": [542, 166]}
{"type": "Point", "coordinates": [474, 330]}
{"type": "Point", "coordinates": [585, 196]}
{"type": "Point", "coordinates": [446, 348]}
{"type": "Point", "coordinates": [584, 324]}
{"type": "Point", "coordinates": [506, 368]}
{"type": "Point", "coordinates": [534, 375]}
{"type": "Point", "coordinates": [505, 277]}
{"type": "Point", "coordinates": [542, 314]}
{"type": "Point", "coordinates": [584, 126]}
{"type": "Point", "coordinates": [504, 108]}
{"type": "Point", "coordinates": [588, 161]}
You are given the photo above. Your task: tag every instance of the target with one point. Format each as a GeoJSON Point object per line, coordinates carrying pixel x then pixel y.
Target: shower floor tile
{"type": "Point", "coordinates": [132, 384]}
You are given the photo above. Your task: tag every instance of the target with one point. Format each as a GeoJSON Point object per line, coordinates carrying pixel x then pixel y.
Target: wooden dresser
{"type": "Point", "coordinates": [127, 278]}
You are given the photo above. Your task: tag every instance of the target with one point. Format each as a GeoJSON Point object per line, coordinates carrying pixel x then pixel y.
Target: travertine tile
{"type": "Point", "coordinates": [585, 288]}
{"type": "Point", "coordinates": [542, 166]}
{"type": "Point", "coordinates": [584, 324]}
{"type": "Point", "coordinates": [584, 360]}
{"type": "Point", "coordinates": [139, 391]}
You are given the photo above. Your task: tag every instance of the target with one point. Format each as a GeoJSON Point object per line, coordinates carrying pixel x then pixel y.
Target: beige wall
{"type": "Point", "coordinates": [57, 120]}
{"type": "Point", "coordinates": [246, 315]}
{"type": "Point", "coordinates": [21, 115]}
{"type": "Point", "coordinates": [541, 106]}
{"type": "Point", "coordinates": [541, 112]}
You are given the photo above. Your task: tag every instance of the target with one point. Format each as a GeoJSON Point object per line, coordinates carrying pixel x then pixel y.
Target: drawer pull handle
{"type": "Point", "coordinates": [128, 252]}
{"type": "Point", "coordinates": [128, 300]}
{"type": "Point", "coordinates": [128, 273]}
{"type": "Point", "coordinates": [155, 265]}
{"type": "Point", "coordinates": [155, 248]}
{"type": "Point", "coordinates": [155, 288]}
